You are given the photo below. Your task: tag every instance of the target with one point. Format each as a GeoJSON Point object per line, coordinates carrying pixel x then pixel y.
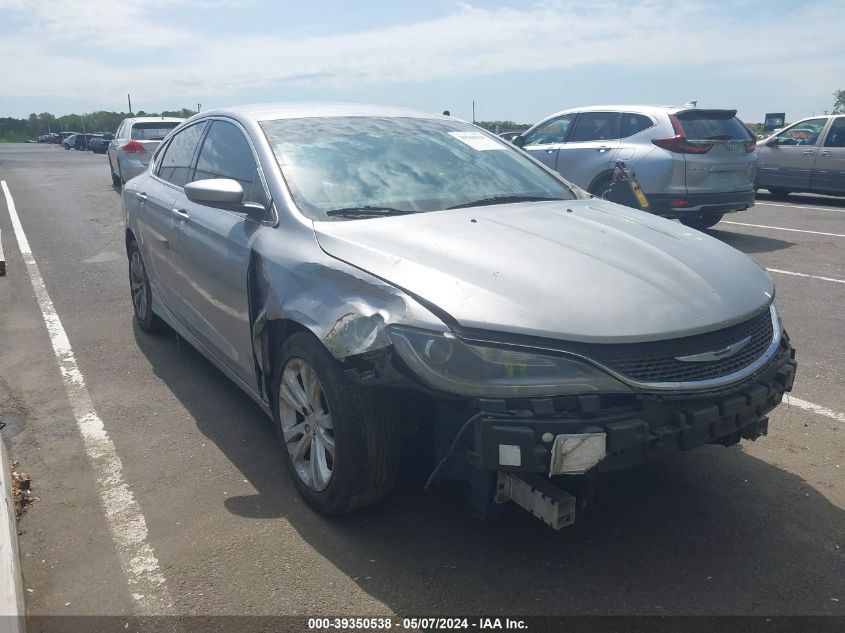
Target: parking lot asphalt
{"type": "Point", "coordinates": [757, 528]}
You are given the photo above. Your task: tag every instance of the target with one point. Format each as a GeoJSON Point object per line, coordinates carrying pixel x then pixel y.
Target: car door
{"type": "Point", "coordinates": [544, 141]}
{"type": "Point", "coordinates": [590, 147]}
{"type": "Point", "coordinates": [786, 160]}
{"type": "Point", "coordinates": [212, 251]}
{"type": "Point", "coordinates": [158, 195]}
{"type": "Point", "coordinates": [829, 168]}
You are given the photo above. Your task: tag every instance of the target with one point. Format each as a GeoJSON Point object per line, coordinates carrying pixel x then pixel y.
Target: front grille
{"type": "Point", "coordinates": [655, 361]}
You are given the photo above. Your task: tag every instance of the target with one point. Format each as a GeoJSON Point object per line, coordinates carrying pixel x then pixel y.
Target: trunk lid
{"type": "Point", "coordinates": [728, 166]}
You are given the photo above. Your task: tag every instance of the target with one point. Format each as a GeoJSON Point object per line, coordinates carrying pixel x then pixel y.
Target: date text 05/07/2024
{"type": "Point", "coordinates": [381, 624]}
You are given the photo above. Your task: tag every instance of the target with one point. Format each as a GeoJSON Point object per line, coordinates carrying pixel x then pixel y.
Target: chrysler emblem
{"type": "Point", "coordinates": [717, 354]}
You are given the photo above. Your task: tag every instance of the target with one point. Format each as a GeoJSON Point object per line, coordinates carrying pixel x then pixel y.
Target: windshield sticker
{"type": "Point", "coordinates": [476, 140]}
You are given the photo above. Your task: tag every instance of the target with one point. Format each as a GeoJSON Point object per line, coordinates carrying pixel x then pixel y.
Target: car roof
{"type": "Point", "coordinates": [299, 110]}
{"type": "Point", "coordinates": [155, 119]}
{"type": "Point", "coordinates": [639, 109]}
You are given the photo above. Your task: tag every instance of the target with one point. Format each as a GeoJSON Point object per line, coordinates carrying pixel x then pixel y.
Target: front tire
{"type": "Point", "coordinates": [703, 221]}
{"type": "Point", "coordinates": [342, 443]}
{"type": "Point", "coordinates": [140, 292]}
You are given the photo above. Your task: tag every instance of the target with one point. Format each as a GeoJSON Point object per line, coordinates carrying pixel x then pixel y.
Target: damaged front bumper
{"type": "Point", "coordinates": [518, 448]}
{"type": "Point", "coordinates": [525, 436]}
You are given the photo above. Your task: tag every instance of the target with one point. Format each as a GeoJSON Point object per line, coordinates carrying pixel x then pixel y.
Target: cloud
{"type": "Point", "coordinates": [656, 38]}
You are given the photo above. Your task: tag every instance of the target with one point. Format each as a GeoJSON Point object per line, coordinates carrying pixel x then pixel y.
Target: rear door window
{"type": "Point", "coordinates": [155, 131]}
{"type": "Point", "coordinates": [711, 125]}
{"type": "Point", "coordinates": [633, 123]}
{"type": "Point", "coordinates": [176, 163]}
{"type": "Point", "coordinates": [226, 153]}
{"type": "Point", "coordinates": [836, 134]}
{"type": "Point", "coordinates": [595, 126]}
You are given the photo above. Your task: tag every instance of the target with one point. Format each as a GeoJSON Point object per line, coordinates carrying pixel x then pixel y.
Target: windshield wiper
{"type": "Point", "coordinates": [357, 212]}
{"type": "Point", "coordinates": [503, 200]}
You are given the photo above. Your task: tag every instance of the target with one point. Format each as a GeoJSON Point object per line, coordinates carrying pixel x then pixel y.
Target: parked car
{"type": "Point", "coordinates": [133, 144]}
{"type": "Point", "coordinates": [362, 272]}
{"type": "Point", "coordinates": [99, 143]}
{"type": "Point", "coordinates": [510, 136]}
{"type": "Point", "coordinates": [80, 141]}
{"type": "Point", "coordinates": [692, 164]}
{"type": "Point", "coordinates": [808, 156]}
{"type": "Point", "coordinates": [69, 141]}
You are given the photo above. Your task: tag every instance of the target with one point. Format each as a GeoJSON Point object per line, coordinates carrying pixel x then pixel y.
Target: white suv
{"type": "Point", "coordinates": [134, 142]}
{"type": "Point", "coordinates": [692, 164]}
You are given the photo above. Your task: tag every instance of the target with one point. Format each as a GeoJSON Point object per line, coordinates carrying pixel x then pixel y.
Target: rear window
{"type": "Point", "coordinates": [152, 131]}
{"type": "Point", "coordinates": [712, 126]}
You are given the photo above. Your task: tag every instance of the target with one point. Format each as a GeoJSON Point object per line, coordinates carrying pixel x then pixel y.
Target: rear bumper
{"type": "Point", "coordinates": [698, 204]}
{"type": "Point", "coordinates": [643, 428]}
{"type": "Point", "coordinates": [130, 166]}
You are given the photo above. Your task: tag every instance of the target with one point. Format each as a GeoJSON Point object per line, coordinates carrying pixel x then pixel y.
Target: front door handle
{"type": "Point", "coordinates": [603, 148]}
{"type": "Point", "coordinates": [826, 152]}
{"type": "Point", "coordinates": [140, 195]}
{"type": "Point", "coordinates": [808, 151]}
{"type": "Point", "coordinates": [180, 213]}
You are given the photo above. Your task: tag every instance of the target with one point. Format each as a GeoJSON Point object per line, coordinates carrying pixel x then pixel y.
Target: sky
{"type": "Point", "coordinates": [518, 61]}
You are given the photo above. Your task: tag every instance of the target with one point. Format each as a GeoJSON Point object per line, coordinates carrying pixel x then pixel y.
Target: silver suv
{"type": "Point", "coordinates": [692, 164]}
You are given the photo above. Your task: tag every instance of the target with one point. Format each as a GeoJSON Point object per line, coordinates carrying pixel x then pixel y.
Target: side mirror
{"type": "Point", "coordinates": [519, 141]}
{"type": "Point", "coordinates": [224, 193]}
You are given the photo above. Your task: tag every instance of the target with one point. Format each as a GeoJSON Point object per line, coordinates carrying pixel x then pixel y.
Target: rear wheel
{"type": "Point", "coordinates": [779, 193]}
{"type": "Point", "coordinates": [115, 180]}
{"type": "Point", "coordinates": [139, 285]}
{"type": "Point", "coordinates": [703, 221]}
{"type": "Point", "coordinates": [342, 444]}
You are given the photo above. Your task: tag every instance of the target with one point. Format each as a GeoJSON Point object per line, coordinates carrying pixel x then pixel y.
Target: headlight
{"type": "Point", "coordinates": [444, 362]}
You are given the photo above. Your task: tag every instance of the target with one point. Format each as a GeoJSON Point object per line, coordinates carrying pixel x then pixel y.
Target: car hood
{"type": "Point", "coordinates": [580, 270]}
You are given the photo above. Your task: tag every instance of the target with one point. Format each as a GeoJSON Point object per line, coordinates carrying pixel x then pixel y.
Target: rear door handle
{"type": "Point", "coordinates": [140, 195]}
{"type": "Point", "coordinates": [180, 213]}
{"type": "Point", "coordinates": [603, 148]}
{"type": "Point", "coordinates": [808, 151]}
{"type": "Point", "coordinates": [826, 152]}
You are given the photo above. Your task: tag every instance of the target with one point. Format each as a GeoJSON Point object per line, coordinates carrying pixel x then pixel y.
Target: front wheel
{"type": "Point", "coordinates": [342, 442]}
{"type": "Point", "coordinates": [703, 221]}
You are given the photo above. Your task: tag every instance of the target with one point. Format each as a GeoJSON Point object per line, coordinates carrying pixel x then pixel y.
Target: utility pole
{"type": "Point", "coordinates": [129, 99]}
{"type": "Point", "coordinates": [473, 111]}
{"type": "Point", "coordinates": [198, 107]}
{"type": "Point", "coordinates": [83, 133]}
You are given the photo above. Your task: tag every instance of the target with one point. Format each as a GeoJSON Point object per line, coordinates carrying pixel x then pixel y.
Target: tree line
{"type": "Point", "coordinates": [18, 130]}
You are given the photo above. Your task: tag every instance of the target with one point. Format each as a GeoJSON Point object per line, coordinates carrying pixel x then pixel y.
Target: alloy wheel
{"type": "Point", "coordinates": [138, 284]}
{"type": "Point", "coordinates": [307, 427]}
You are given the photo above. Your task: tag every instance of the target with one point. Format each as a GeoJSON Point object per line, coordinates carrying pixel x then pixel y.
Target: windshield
{"type": "Point", "coordinates": [152, 131]}
{"type": "Point", "coordinates": [401, 163]}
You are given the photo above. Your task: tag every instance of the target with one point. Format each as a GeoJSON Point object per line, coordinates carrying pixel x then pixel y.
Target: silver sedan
{"type": "Point", "coordinates": [374, 277]}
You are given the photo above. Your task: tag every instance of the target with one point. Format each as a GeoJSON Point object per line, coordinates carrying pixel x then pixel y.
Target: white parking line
{"type": "Point", "coordinates": [815, 408]}
{"type": "Point", "coordinates": [782, 228]}
{"type": "Point", "coordinates": [758, 203]}
{"type": "Point", "coordinates": [789, 272]}
{"type": "Point", "coordinates": [126, 523]}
